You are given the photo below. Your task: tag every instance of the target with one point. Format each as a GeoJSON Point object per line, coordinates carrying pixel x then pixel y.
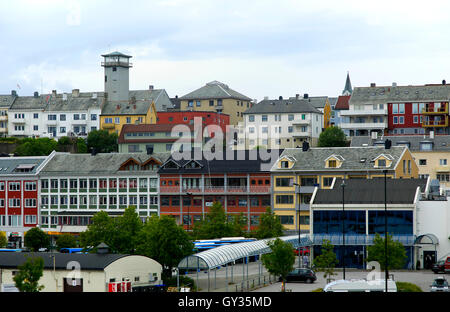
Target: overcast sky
{"type": "Point", "coordinates": [259, 48]}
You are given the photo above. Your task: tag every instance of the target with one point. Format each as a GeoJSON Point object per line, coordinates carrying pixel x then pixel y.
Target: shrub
{"type": "Point", "coordinates": [407, 287]}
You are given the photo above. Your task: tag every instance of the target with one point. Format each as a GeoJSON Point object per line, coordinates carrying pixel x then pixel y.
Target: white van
{"type": "Point", "coordinates": [360, 285]}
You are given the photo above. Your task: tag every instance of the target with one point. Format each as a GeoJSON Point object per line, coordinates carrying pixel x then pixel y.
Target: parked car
{"type": "Point", "coordinates": [440, 284]}
{"type": "Point", "coordinates": [447, 265]}
{"type": "Point", "coordinates": [301, 275]}
{"type": "Point", "coordinates": [439, 267]}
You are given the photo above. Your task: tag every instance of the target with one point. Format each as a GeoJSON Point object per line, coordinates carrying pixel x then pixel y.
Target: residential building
{"type": "Point", "coordinates": [357, 211]}
{"type": "Point", "coordinates": [281, 124]}
{"type": "Point", "coordinates": [217, 97]}
{"type": "Point", "coordinates": [19, 195]}
{"type": "Point", "coordinates": [322, 103]}
{"type": "Point", "coordinates": [5, 103]}
{"type": "Point", "coordinates": [298, 171]}
{"type": "Point", "coordinates": [431, 153]}
{"type": "Point", "coordinates": [93, 272]}
{"type": "Point", "coordinates": [240, 181]}
{"type": "Point", "coordinates": [73, 187]}
{"type": "Point", "coordinates": [188, 118]}
{"type": "Point", "coordinates": [398, 109]}
{"type": "Point", "coordinates": [340, 106]}
{"type": "Point", "coordinates": [158, 138]}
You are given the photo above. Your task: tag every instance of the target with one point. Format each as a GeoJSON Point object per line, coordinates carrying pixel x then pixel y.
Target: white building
{"type": "Point", "coordinates": [55, 115]}
{"type": "Point", "coordinates": [84, 272]}
{"type": "Point", "coordinates": [281, 124]}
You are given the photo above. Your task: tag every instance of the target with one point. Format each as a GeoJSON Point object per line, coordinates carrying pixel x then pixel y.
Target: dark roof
{"type": "Point", "coordinates": [116, 53]}
{"type": "Point", "coordinates": [439, 142]}
{"type": "Point", "coordinates": [371, 191]}
{"type": "Point", "coordinates": [215, 90]}
{"type": "Point", "coordinates": [151, 128]}
{"type": "Point", "coordinates": [86, 261]}
{"type": "Point", "coordinates": [243, 161]}
{"type": "Point", "coordinates": [342, 102]}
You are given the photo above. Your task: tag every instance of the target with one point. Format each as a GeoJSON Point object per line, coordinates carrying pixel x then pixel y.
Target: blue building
{"type": "Point", "coordinates": [357, 210]}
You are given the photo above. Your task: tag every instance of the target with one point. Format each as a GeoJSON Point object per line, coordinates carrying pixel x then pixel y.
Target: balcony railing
{"type": "Point", "coordinates": [435, 123]}
{"type": "Point", "coordinates": [364, 125]}
{"type": "Point", "coordinates": [216, 189]}
{"type": "Point", "coordinates": [364, 112]}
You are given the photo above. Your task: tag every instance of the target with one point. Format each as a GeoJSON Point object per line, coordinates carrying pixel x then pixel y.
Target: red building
{"type": "Point", "coordinates": [19, 196]}
{"type": "Point", "coordinates": [188, 188]}
{"type": "Point", "coordinates": [187, 117]}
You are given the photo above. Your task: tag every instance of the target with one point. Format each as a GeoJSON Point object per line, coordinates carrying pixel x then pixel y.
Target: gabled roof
{"type": "Point", "coordinates": [100, 164]}
{"type": "Point", "coordinates": [314, 158]}
{"type": "Point", "coordinates": [6, 100]}
{"type": "Point", "coordinates": [214, 90]}
{"type": "Point", "coordinates": [139, 103]}
{"type": "Point", "coordinates": [291, 105]}
{"type": "Point", "coordinates": [371, 191]}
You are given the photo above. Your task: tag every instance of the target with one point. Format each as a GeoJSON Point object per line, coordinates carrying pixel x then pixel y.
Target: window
{"type": "Point", "coordinates": [395, 120]}
{"type": "Point", "coordinates": [190, 103]}
{"type": "Point", "coordinates": [426, 146]}
{"type": "Point", "coordinates": [117, 120]}
{"type": "Point", "coordinates": [287, 220]}
{"type": "Point", "coordinates": [422, 162]}
{"type": "Point", "coordinates": [284, 199]}
{"type": "Point", "coordinates": [415, 108]}
{"type": "Point", "coordinates": [264, 118]}
{"type": "Point", "coordinates": [14, 186]}
{"type": "Point", "coordinates": [62, 117]}
{"type": "Point", "coordinates": [128, 120]}
{"type": "Point", "coordinates": [198, 103]}
{"type": "Point", "coordinates": [290, 117]}
{"type": "Point", "coordinates": [35, 128]}
{"type": "Point", "coordinates": [381, 162]}
{"type": "Point", "coordinates": [52, 117]}
{"type": "Point", "coordinates": [415, 119]}
{"type": "Point", "coordinates": [332, 163]}
{"type": "Point", "coordinates": [284, 182]}
{"type": "Point", "coordinates": [401, 120]}
{"type": "Point", "coordinates": [401, 108]}
{"type": "Point", "coordinates": [394, 108]}
{"type": "Point", "coordinates": [30, 202]}
{"type": "Point", "coordinates": [76, 116]}
{"type": "Point", "coordinates": [443, 162]}
{"type": "Point", "coordinates": [62, 129]}
{"type": "Point", "coordinates": [35, 116]}
{"type": "Point", "coordinates": [327, 181]}
{"type": "Point", "coordinates": [211, 102]}
{"type": "Point", "coordinates": [108, 120]}
{"type": "Point", "coordinates": [284, 164]}
{"type": "Point", "coordinates": [14, 202]}
{"type": "Point", "coordinates": [93, 116]}
{"type": "Point", "coordinates": [251, 118]}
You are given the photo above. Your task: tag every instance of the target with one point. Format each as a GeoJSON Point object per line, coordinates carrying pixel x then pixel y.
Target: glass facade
{"type": "Point", "coordinates": [329, 222]}
{"type": "Point", "coordinates": [399, 222]}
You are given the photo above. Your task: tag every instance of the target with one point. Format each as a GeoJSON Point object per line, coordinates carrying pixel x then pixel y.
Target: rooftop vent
{"type": "Point", "coordinates": [280, 97]}
{"type": "Point", "coordinates": [387, 144]}
{"type": "Point", "coordinates": [36, 94]}
{"type": "Point", "coordinates": [305, 96]}
{"type": "Point", "coordinates": [305, 146]}
{"type": "Point", "coordinates": [373, 85]}
{"type": "Point", "coordinates": [76, 92]}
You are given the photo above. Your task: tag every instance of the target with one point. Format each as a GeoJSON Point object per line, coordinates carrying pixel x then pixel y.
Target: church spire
{"type": "Point", "coordinates": [348, 86]}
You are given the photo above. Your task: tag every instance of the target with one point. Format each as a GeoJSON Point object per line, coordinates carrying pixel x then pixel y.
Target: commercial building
{"type": "Point", "coordinates": [84, 272]}
{"type": "Point", "coordinates": [298, 171]}
{"type": "Point", "coordinates": [19, 196]}
{"type": "Point", "coordinates": [73, 187]}
{"type": "Point", "coordinates": [281, 124]}
{"type": "Point", "coordinates": [239, 180]}
{"type": "Point", "coordinates": [350, 216]}
{"type": "Point", "coordinates": [217, 97]}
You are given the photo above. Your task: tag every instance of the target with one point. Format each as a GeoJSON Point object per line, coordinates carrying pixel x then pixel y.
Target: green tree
{"type": "Point", "coordinates": [326, 261]}
{"type": "Point", "coordinates": [99, 231]}
{"type": "Point", "coordinates": [35, 238]}
{"type": "Point", "coordinates": [396, 252]}
{"type": "Point", "coordinates": [280, 261]}
{"type": "Point", "coordinates": [27, 278]}
{"type": "Point", "coordinates": [238, 225]}
{"type": "Point", "coordinates": [3, 240]}
{"type": "Point", "coordinates": [81, 146]}
{"type": "Point", "coordinates": [269, 225]}
{"type": "Point", "coordinates": [214, 225]}
{"type": "Point", "coordinates": [164, 241]}
{"type": "Point", "coordinates": [102, 141]}
{"type": "Point", "coordinates": [332, 137]}
{"type": "Point", "coordinates": [66, 241]}
{"type": "Point", "coordinates": [127, 228]}
{"type": "Point", "coordinates": [36, 147]}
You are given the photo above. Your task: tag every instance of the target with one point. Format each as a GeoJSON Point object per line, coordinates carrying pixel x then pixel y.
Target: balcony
{"type": "Point", "coordinates": [364, 125]}
{"type": "Point", "coordinates": [364, 112]}
{"type": "Point", "coordinates": [435, 123]}
{"type": "Point", "coordinates": [302, 134]}
{"type": "Point", "coordinates": [301, 122]}
{"type": "Point", "coordinates": [117, 63]}
{"type": "Point", "coordinates": [436, 110]}
{"type": "Point", "coordinates": [3, 117]}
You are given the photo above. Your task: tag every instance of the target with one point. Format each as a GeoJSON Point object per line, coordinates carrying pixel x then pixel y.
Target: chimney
{"type": "Point", "coordinates": [150, 87]}
{"type": "Point", "coordinates": [150, 150]}
{"type": "Point", "coordinates": [36, 94]}
{"type": "Point", "coordinates": [394, 84]}
{"type": "Point", "coordinates": [387, 144]}
{"type": "Point", "coordinates": [75, 92]}
{"type": "Point", "coordinates": [266, 98]}
{"type": "Point", "coordinates": [305, 96]}
{"type": "Point", "coordinates": [54, 93]}
{"type": "Point", "coordinates": [297, 96]}
{"type": "Point", "coordinates": [373, 85]}
{"type": "Point", "coordinates": [64, 96]}
{"type": "Point", "coordinates": [305, 146]}
{"type": "Point", "coordinates": [13, 92]}
{"type": "Point", "coordinates": [443, 82]}
{"type": "Point", "coordinates": [280, 97]}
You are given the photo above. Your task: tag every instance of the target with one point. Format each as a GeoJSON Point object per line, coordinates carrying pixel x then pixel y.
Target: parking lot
{"type": "Point", "coordinates": [237, 279]}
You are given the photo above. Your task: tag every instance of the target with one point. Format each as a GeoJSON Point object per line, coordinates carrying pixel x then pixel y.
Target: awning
{"type": "Point", "coordinates": [427, 239]}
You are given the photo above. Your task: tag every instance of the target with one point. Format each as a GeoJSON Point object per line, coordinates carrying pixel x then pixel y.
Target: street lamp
{"type": "Point", "coordinates": [299, 240]}
{"type": "Point", "coordinates": [189, 206]}
{"type": "Point", "coordinates": [343, 227]}
{"type": "Point", "coordinates": [385, 234]}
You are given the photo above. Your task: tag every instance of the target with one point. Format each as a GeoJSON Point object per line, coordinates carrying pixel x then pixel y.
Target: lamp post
{"type": "Point", "coordinates": [385, 233]}
{"type": "Point", "coordinates": [299, 239]}
{"type": "Point", "coordinates": [343, 228]}
{"type": "Point", "coordinates": [189, 206]}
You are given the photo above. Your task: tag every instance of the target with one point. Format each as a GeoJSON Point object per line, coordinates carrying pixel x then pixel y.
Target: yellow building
{"type": "Point", "coordinates": [217, 97]}
{"type": "Point", "coordinates": [322, 103]}
{"type": "Point", "coordinates": [297, 173]}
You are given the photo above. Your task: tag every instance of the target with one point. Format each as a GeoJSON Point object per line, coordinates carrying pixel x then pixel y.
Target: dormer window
{"type": "Point", "coordinates": [284, 164]}
{"type": "Point", "coordinates": [332, 163]}
{"type": "Point", "coordinates": [381, 162]}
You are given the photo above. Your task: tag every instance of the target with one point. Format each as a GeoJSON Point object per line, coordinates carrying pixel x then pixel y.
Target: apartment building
{"type": "Point", "coordinates": [430, 152]}
{"type": "Point", "coordinates": [398, 110]}
{"type": "Point", "coordinates": [282, 123]}
{"type": "Point", "coordinates": [5, 103]}
{"type": "Point", "coordinates": [19, 195]}
{"type": "Point", "coordinates": [217, 97]}
{"type": "Point", "coordinates": [73, 187]}
{"type": "Point", "coordinates": [298, 171]}
{"type": "Point", "coordinates": [240, 181]}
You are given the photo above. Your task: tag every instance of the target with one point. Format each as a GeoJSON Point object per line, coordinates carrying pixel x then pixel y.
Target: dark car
{"type": "Point", "coordinates": [301, 275]}
{"type": "Point", "coordinates": [439, 266]}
